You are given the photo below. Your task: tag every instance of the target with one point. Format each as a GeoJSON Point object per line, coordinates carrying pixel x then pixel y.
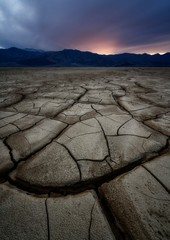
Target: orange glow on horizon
{"type": "Point", "coordinates": [105, 51]}
{"type": "Point", "coordinates": [105, 46]}
{"type": "Point", "coordinates": [110, 51]}
{"type": "Point", "coordinates": [153, 53]}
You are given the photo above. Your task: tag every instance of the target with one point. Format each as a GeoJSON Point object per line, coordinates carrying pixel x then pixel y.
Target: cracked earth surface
{"type": "Point", "coordinates": [84, 154]}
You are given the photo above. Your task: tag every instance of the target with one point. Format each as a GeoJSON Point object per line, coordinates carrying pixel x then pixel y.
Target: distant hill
{"type": "Point", "coordinates": [15, 57]}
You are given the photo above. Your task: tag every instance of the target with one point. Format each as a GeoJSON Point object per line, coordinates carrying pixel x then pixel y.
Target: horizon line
{"type": "Point", "coordinates": [104, 54]}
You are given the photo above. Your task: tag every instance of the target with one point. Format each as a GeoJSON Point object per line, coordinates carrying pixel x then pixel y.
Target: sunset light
{"type": "Point", "coordinates": [84, 120]}
{"type": "Point", "coordinates": [103, 27]}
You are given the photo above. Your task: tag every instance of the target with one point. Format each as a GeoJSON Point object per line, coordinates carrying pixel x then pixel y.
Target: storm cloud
{"type": "Point", "coordinates": [103, 26]}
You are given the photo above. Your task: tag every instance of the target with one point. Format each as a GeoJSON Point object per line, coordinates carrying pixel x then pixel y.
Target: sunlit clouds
{"type": "Point", "coordinates": [101, 26]}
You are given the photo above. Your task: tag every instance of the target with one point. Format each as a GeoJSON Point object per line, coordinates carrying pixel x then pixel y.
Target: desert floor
{"type": "Point", "coordinates": [84, 153]}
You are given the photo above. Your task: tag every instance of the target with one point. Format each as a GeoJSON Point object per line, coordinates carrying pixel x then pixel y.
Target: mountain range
{"type": "Point", "coordinates": [15, 57]}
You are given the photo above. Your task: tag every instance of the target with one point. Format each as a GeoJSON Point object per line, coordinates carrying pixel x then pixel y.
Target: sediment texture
{"type": "Point", "coordinates": [84, 154]}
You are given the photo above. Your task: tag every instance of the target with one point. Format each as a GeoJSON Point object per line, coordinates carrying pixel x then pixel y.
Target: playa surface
{"type": "Point", "coordinates": [84, 153]}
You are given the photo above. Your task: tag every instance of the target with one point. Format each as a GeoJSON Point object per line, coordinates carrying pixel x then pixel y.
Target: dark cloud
{"type": "Point", "coordinates": [95, 25]}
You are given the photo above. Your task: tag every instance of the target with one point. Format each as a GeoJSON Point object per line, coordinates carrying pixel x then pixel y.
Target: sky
{"type": "Point", "coordinates": [101, 26]}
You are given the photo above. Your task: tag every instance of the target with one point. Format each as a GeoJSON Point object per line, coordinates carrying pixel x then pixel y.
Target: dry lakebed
{"type": "Point", "coordinates": [84, 153]}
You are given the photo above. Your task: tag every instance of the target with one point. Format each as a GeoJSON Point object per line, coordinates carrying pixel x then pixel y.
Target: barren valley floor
{"type": "Point", "coordinates": [84, 153]}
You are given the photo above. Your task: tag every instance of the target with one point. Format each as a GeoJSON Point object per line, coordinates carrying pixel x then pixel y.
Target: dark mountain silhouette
{"type": "Point", "coordinates": [15, 57]}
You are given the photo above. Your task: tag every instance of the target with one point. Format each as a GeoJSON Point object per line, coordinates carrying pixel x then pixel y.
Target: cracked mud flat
{"type": "Point", "coordinates": [84, 154]}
